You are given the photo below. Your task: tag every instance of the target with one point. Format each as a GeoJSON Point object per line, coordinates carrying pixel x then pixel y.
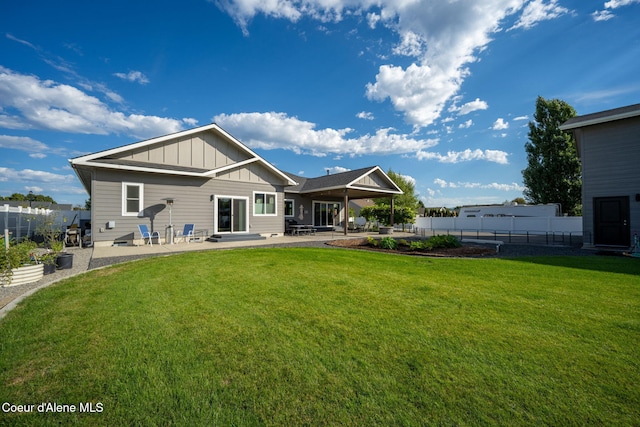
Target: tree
{"type": "Point", "coordinates": [405, 205]}
{"type": "Point", "coordinates": [30, 197]}
{"type": "Point", "coordinates": [553, 171]}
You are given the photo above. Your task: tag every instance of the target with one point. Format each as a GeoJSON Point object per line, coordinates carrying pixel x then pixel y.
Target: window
{"type": "Point", "coordinates": [264, 203]}
{"type": "Point", "coordinates": [132, 199]}
{"type": "Point", "coordinates": [288, 207]}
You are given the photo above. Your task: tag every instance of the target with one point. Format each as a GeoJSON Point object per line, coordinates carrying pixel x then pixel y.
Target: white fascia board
{"type": "Point", "coordinates": [374, 169]}
{"type": "Point", "coordinates": [599, 120]}
{"type": "Point", "coordinates": [140, 169]}
{"type": "Point", "coordinates": [379, 190]}
{"type": "Point", "coordinates": [231, 166]}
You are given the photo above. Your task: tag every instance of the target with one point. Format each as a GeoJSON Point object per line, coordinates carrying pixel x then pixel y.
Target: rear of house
{"type": "Point", "coordinates": [609, 149]}
{"type": "Point", "coordinates": [214, 182]}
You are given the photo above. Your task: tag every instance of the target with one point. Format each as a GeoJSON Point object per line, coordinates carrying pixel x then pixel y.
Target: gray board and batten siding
{"type": "Point", "coordinates": [608, 145]}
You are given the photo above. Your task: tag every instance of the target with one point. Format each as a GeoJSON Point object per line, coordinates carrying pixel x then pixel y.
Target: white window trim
{"type": "Point", "coordinates": [293, 208]}
{"type": "Point", "coordinates": [215, 214]}
{"type": "Point", "coordinates": [265, 193]}
{"type": "Point", "coordinates": [124, 198]}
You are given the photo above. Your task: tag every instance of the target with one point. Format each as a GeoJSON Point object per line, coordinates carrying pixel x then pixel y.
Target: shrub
{"type": "Point", "coordinates": [372, 242]}
{"type": "Point", "coordinates": [403, 242]}
{"type": "Point", "coordinates": [444, 241]}
{"type": "Point", "coordinates": [420, 245]}
{"type": "Point", "coordinates": [388, 243]}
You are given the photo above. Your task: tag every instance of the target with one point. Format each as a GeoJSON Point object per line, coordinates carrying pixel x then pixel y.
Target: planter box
{"type": "Point", "coordinates": [385, 230]}
{"type": "Point", "coordinates": [24, 275]}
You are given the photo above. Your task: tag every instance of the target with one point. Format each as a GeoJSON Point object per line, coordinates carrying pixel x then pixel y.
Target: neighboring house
{"type": "Point", "coordinates": [608, 145]}
{"type": "Point", "coordinates": [215, 182]}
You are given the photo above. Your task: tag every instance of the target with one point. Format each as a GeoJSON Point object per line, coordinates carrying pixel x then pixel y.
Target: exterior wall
{"type": "Point", "coordinates": [305, 215]}
{"type": "Point", "coordinates": [206, 150]}
{"type": "Point", "coordinates": [610, 155]}
{"type": "Point", "coordinates": [373, 180]}
{"type": "Point", "coordinates": [192, 204]}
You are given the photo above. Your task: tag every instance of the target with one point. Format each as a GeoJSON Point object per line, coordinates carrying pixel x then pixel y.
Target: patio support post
{"type": "Point", "coordinates": [393, 214]}
{"type": "Point", "coordinates": [346, 212]}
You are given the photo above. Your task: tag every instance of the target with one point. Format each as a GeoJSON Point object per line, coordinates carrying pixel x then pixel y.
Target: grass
{"type": "Point", "coordinates": [331, 337]}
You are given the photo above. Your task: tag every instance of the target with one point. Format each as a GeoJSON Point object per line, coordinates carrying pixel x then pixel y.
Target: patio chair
{"type": "Point", "coordinates": [146, 234]}
{"type": "Point", "coordinates": [186, 234]}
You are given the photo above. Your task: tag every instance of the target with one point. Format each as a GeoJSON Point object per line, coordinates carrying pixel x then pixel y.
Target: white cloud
{"type": "Point", "coordinates": [189, 121]}
{"type": "Point", "coordinates": [23, 143]}
{"type": "Point", "coordinates": [444, 37]}
{"type": "Point", "coordinates": [500, 124]}
{"type": "Point", "coordinates": [469, 107]}
{"type": "Point", "coordinates": [44, 104]}
{"type": "Point", "coordinates": [373, 19]}
{"type": "Point", "coordinates": [37, 155]}
{"type": "Point", "coordinates": [495, 156]}
{"type": "Point", "coordinates": [35, 189]}
{"type": "Point", "coordinates": [602, 15]}
{"type": "Point", "coordinates": [365, 115]}
{"type": "Point", "coordinates": [279, 131]}
{"type": "Point", "coordinates": [520, 118]}
{"type": "Point", "coordinates": [134, 77]}
{"type": "Point", "coordinates": [514, 186]}
{"type": "Point", "coordinates": [539, 10]}
{"type": "Point", "coordinates": [30, 176]}
{"type": "Point", "coordinates": [409, 179]}
{"type": "Point", "coordinates": [466, 125]}
{"type": "Point", "coordinates": [336, 169]}
{"type": "Point", "coordinates": [411, 45]}
{"type": "Point", "coordinates": [606, 14]}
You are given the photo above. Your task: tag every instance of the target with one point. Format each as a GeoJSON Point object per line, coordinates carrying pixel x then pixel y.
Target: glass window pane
{"type": "Point", "coordinates": [239, 215]}
{"type": "Point", "coordinates": [258, 204]}
{"type": "Point", "coordinates": [271, 204]}
{"type": "Point", "coordinates": [132, 206]}
{"type": "Point", "coordinates": [288, 208]}
{"type": "Point", "coordinates": [133, 192]}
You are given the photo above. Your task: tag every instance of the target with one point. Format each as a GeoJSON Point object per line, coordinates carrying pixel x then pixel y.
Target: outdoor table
{"type": "Point", "coordinates": [301, 228]}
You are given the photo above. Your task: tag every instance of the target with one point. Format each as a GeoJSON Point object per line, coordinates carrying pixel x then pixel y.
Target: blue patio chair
{"type": "Point", "coordinates": [187, 233]}
{"type": "Point", "coordinates": [146, 234]}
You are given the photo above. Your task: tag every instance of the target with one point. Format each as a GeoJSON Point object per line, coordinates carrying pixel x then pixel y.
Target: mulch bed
{"type": "Point", "coordinates": [466, 251]}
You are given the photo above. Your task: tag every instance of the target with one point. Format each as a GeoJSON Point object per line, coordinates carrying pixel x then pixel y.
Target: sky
{"type": "Point", "coordinates": [441, 92]}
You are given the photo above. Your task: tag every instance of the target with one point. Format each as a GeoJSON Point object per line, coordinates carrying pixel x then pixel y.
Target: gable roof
{"type": "Point", "coordinates": [601, 117]}
{"type": "Point", "coordinates": [365, 182]}
{"type": "Point", "coordinates": [109, 159]}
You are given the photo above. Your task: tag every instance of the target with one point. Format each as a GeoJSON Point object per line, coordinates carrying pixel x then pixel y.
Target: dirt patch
{"type": "Point", "coordinates": [465, 251]}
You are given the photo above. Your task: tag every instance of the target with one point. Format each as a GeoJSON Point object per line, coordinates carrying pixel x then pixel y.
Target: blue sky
{"type": "Point", "coordinates": [439, 91]}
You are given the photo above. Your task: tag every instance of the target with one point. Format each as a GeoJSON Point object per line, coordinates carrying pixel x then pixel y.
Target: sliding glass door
{"type": "Point", "coordinates": [231, 215]}
{"type": "Point", "coordinates": [326, 213]}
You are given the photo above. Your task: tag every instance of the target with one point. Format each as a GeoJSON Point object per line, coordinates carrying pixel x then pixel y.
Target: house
{"type": "Point", "coordinates": [207, 177]}
{"type": "Point", "coordinates": [608, 144]}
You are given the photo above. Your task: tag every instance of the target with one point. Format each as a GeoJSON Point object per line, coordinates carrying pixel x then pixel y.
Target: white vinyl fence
{"type": "Point", "coordinates": [545, 230]}
{"type": "Point", "coordinates": [24, 222]}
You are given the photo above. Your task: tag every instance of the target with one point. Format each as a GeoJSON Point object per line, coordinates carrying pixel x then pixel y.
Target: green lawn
{"type": "Point", "coordinates": [330, 337]}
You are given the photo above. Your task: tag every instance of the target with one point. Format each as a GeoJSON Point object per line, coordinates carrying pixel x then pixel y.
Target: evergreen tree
{"type": "Point", "coordinates": [553, 171]}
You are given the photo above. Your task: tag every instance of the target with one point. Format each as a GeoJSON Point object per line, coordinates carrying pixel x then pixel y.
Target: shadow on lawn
{"type": "Point", "coordinates": [607, 263]}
